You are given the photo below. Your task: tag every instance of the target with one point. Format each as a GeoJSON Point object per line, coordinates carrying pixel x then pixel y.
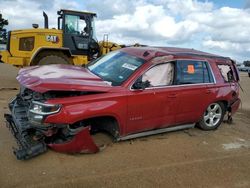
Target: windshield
{"type": "Point", "coordinates": [115, 67]}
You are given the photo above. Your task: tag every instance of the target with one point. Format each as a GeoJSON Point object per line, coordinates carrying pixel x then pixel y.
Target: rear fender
{"type": "Point", "coordinates": [235, 106]}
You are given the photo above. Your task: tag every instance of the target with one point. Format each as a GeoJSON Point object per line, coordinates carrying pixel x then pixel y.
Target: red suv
{"type": "Point", "coordinates": [128, 93]}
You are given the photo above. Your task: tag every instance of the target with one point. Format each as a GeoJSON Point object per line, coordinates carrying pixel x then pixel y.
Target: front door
{"type": "Point", "coordinates": [154, 106]}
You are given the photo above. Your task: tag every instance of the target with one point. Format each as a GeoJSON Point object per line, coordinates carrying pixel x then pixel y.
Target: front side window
{"type": "Point", "coordinates": [192, 72]}
{"type": "Point", "coordinates": [159, 75]}
{"type": "Point", "coordinates": [115, 67]}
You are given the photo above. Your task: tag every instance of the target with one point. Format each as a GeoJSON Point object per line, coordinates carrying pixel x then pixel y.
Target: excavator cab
{"type": "Point", "coordinates": [78, 32]}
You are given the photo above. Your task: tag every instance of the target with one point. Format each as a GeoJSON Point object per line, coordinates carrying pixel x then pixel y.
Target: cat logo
{"type": "Point", "coordinates": [52, 38]}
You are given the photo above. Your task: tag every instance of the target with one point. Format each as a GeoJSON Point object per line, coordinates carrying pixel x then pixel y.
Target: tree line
{"type": "Point", "coordinates": [3, 31]}
{"type": "Point", "coordinates": [247, 63]}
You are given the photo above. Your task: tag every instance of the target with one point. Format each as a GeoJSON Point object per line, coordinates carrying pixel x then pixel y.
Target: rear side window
{"type": "Point", "coordinates": [226, 72]}
{"type": "Point", "coordinates": [192, 72]}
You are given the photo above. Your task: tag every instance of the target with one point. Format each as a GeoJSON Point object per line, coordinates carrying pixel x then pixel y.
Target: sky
{"type": "Point", "coordinates": [221, 27]}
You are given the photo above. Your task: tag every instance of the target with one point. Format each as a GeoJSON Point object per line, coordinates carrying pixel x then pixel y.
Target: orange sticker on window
{"type": "Point", "coordinates": [190, 69]}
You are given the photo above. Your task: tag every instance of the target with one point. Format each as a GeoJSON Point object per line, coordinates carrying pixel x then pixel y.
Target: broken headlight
{"type": "Point", "coordinates": [38, 110]}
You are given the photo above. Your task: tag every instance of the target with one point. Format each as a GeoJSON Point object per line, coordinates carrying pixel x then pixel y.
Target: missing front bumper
{"type": "Point", "coordinates": [29, 145]}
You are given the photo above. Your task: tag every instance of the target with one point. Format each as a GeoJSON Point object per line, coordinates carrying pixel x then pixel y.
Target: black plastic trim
{"type": "Point", "coordinates": [8, 41]}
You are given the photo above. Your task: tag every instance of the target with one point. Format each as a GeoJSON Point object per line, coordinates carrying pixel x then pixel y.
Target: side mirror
{"type": "Point", "coordinates": [141, 85]}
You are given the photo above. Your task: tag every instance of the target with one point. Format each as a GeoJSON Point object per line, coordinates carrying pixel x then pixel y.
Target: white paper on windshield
{"type": "Point", "coordinates": [129, 66]}
{"type": "Point", "coordinates": [103, 73]}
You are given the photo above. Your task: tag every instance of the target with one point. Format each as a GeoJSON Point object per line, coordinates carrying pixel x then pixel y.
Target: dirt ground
{"type": "Point", "coordinates": [190, 158]}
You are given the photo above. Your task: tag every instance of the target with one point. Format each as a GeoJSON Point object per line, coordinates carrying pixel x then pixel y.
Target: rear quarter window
{"type": "Point", "coordinates": [192, 72]}
{"type": "Point", "coordinates": [226, 72]}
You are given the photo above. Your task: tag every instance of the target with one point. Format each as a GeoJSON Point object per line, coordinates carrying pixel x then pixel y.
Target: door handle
{"type": "Point", "coordinates": [172, 96]}
{"type": "Point", "coordinates": [208, 91]}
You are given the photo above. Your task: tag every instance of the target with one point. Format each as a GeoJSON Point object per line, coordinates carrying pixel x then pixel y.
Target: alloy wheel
{"type": "Point", "coordinates": [212, 115]}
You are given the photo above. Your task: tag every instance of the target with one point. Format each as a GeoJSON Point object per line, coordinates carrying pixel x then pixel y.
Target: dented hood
{"type": "Point", "coordinates": [61, 77]}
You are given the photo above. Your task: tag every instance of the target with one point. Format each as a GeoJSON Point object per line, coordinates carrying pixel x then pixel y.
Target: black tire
{"type": "Point", "coordinates": [48, 58]}
{"type": "Point", "coordinates": [212, 117]}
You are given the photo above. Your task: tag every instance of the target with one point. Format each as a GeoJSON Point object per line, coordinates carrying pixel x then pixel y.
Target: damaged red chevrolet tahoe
{"type": "Point", "coordinates": [128, 93]}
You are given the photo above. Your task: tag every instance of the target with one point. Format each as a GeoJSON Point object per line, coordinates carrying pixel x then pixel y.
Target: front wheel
{"type": "Point", "coordinates": [213, 116]}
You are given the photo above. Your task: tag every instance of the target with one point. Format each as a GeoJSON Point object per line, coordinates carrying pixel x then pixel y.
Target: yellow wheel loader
{"type": "Point", "coordinates": [73, 42]}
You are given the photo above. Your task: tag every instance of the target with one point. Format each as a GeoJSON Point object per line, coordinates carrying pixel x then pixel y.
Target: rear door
{"type": "Point", "coordinates": [192, 78]}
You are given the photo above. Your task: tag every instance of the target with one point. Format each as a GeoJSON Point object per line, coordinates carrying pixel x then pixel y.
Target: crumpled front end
{"type": "Point", "coordinates": [18, 124]}
{"type": "Point", "coordinates": [33, 136]}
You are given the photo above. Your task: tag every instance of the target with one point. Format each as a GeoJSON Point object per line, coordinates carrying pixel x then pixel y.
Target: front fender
{"type": "Point", "coordinates": [81, 143]}
{"type": "Point", "coordinates": [76, 112]}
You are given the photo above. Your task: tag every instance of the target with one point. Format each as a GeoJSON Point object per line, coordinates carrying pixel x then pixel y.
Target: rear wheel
{"type": "Point", "coordinates": [48, 58]}
{"type": "Point", "coordinates": [213, 116]}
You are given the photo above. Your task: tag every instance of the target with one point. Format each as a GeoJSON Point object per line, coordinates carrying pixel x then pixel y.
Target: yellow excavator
{"type": "Point", "coordinates": [73, 42]}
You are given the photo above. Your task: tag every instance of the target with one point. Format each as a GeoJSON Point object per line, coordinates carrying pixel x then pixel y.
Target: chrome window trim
{"type": "Point", "coordinates": [210, 69]}
{"type": "Point", "coordinates": [181, 85]}
{"type": "Point", "coordinates": [171, 86]}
